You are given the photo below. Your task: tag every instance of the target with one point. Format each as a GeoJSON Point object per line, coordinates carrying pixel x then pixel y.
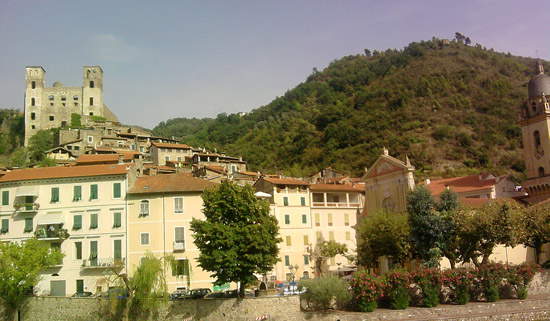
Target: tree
{"type": "Point", "coordinates": [383, 234]}
{"type": "Point", "coordinates": [239, 236]}
{"type": "Point", "coordinates": [39, 143]}
{"type": "Point", "coordinates": [534, 229]}
{"type": "Point", "coordinates": [325, 250]}
{"type": "Point", "coordinates": [20, 268]}
{"type": "Point", "coordinates": [19, 158]}
{"type": "Point", "coordinates": [144, 291]}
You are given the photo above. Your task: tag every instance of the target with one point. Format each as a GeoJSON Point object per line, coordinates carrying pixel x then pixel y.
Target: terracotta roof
{"type": "Point", "coordinates": [285, 181]}
{"type": "Point", "coordinates": [104, 149]}
{"type": "Point", "coordinates": [97, 158]}
{"type": "Point", "coordinates": [334, 187]}
{"type": "Point", "coordinates": [217, 169]}
{"type": "Point", "coordinates": [474, 202]}
{"type": "Point", "coordinates": [167, 183]}
{"type": "Point", "coordinates": [63, 172]}
{"type": "Point", "coordinates": [461, 184]}
{"type": "Point", "coordinates": [171, 145]}
{"type": "Point", "coordinates": [247, 173]}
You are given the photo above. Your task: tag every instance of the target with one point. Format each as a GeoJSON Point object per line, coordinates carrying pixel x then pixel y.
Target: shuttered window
{"type": "Point", "coordinates": [178, 204]}
{"type": "Point", "coordinates": [329, 219]}
{"type": "Point", "coordinates": [117, 249]}
{"type": "Point", "coordinates": [78, 250]}
{"type": "Point", "coordinates": [179, 234]}
{"type": "Point", "coordinates": [287, 219]}
{"type": "Point", "coordinates": [28, 224]}
{"type": "Point", "coordinates": [144, 238]}
{"type": "Point", "coordinates": [5, 197]}
{"type": "Point", "coordinates": [77, 222]}
{"type": "Point", "coordinates": [180, 267]}
{"type": "Point", "coordinates": [303, 201]}
{"type": "Point", "coordinates": [117, 219]}
{"type": "Point", "coordinates": [306, 239]}
{"type": "Point", "coordinates": [116, 190]}
{"type": "Point", "coordinates": [288, 241]}
{"type": "Point", "coordinates": [93, 221]}
{"type": "Point", "coordinates": [346, 219]}
{"type": "Point", "coordinates": [93, 252]}
{"type": "Point", "coordinates": [287, 260]}
{"type": "Point", "coordinates": [144, 208]}
{"type": "Point", "coordinates": [55, 195]}
{"type": "Point", "coordinates": [306, 259]}
{"type": "Point", "coordinates": [93, 192]}
{"type": "Point", "coordinates": [77, 193]}
{"type": "Point", "coordinates": [5, 226]}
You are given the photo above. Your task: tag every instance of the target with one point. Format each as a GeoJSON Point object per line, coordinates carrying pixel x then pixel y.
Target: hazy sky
{"type": "Point", "coordinates": [165, 59]}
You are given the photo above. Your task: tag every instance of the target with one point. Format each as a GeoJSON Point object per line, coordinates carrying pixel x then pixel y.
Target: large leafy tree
{"type": "Point", "coordinates": [39, 143]}
{"type": "Point", "coordinates": [238, 238]}
{"type": "Point", "coordinates": [20, 268]}
{"type": "Point", "coordinates": [534, 223]}
{"type": "Point", "coordinates": [383, 234]}
{"type": "Point", "coordinates": [325, 250]}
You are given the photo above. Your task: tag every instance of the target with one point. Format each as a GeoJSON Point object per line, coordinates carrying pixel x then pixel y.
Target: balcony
{"type": "Point", "coordinates": [336, 204]}
{"type": "Point", "coordinates": [336, 200]}
{"type": "Point", "coordinates": [103, 263]}
{"type": "Point", "coordinates": [52, 232]}
{"type": "Point", "coordinates": [179, 246]}
{"type": "Point", "coordinates": [26, 207]}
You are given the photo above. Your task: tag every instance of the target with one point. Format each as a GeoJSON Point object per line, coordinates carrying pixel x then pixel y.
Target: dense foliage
{"type": "Point", "coordinates": [238, 238]}
{"type": "Point", "coordinates": [12, 129]}
{"type": "Point", "coordinates": [325, 292]}
{"type": "Point", "coordinates": [452, 107]}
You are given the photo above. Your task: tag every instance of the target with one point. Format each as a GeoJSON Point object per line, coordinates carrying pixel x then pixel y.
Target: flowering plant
{"type": "Point", "coordinates": [367, 289]}
{"type": "Point", "coordinates": [429, 282]}
{"type": "Point", "coordinates": [519, 276]}
{"type": "Point", "coordinates": [396, 288]}
{"type": "Point", "coordinates": [459, 282]}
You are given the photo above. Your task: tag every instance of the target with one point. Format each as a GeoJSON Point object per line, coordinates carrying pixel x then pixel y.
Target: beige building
{"type": "Point", "coordinates": [160, 212]}
{"type": "Point", "coordinates": [387, 183]}
{"type": "Point", "coordinates": [163, 153]}
{"type": "Point", "coordinates": [81, 210]}
{"type": "Point", "coordinates": [52, 107]}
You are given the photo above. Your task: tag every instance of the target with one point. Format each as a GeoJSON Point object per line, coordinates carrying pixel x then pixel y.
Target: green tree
{"type": "Point", "coordinates": [39, 143]}
{"type": "Point", "coordinates": [383, 234]}
{"type": "Point", "coordinates": [20, 268]}
{"type": "Point", "coordinates": [239, 236]}
{"type": "Point", "coordinates": [19, 158]}
{"type": "Point", "coordinates": [425, 222]}
{"type": "Point", "coordinates": [323, 251]}
{"type": "Point", "coordinates": [534, 223]}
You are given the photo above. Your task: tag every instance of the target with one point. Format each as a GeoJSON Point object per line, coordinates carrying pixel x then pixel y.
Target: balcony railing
{"type": "Point", "coordinates": [102, 263]}
{"type": "Point", "coordinates": [51, 233]}
{"type": "Point", "coordinates": [336, 204]}
{"type": "Point", "coordinates": [26, 207]}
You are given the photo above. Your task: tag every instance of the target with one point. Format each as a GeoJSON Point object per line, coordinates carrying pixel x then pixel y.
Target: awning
{"type": "Point", "coordinates": [26, 191]}
{"type": "Point", "coordinates": [51, 218]}
{"type": "Point", "coordinates": [262, 194]}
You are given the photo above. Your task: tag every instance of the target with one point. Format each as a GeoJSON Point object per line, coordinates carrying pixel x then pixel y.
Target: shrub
{"type": "Point", "coordinates": [325, 293]}
{"type": "Point", "coordinates": [459, 282]}
{"type": "Point", "coordinates": [489, 279]}
{"type": "Point", "coordinates": [519, 276]}
{"type": "Point", "coordinates": [429, 282]}
{"type": "Point", "coordinates": [396, 289]}
{"type": "Point", "coordinates": [366, 290]}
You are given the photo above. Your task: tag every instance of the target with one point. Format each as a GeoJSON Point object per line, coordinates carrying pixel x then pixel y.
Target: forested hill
{"type": "Point", "coordinates": [452, 108]}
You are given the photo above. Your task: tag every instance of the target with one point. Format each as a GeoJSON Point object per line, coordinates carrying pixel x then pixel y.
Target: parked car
{"type": "Point", "coordinates": [178, 295]}
{"type": "Point", "coordinates": [82, 294]}
{"type": "Point", "coordinates": [198, 293]}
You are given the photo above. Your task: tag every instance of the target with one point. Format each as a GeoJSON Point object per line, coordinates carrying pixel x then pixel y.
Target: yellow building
{"type": "Point", "coordinates": [160, 212]}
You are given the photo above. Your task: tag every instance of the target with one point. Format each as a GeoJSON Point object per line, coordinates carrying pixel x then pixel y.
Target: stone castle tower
{"type": "Point", "coordinates": [535, 128]}
{"type": "Point", "coordinates": [51, 107]}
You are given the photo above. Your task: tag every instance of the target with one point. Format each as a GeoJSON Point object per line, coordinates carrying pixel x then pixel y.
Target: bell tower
{"type": "Point", "coordinates": [92, 91]}
{"type": "Point", "coordinates": [34, 78]}
{"type": "Point", "coordinates": [535, 130]}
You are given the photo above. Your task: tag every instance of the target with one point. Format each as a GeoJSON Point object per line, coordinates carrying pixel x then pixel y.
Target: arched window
{"type": "Point", "coordinates": [144, 208]}
{"type": "Point", "coordinates": [541, 171]}
{"type": "Point", "coordinates": [33, 102]}
{"type": "Point", "coordinates": [536, 136]}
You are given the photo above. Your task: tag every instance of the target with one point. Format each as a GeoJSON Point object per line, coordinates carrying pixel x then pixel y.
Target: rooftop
{"type": "Point", "coordinates": [334, 188]}
{"type": "Point", "coordinates": [462, 184]}
{"type": "Point", "coordinates": [63, 172]}
{"type": "Point", "coordinates": [167, 183]}
{"type": "Point", "coordinates": [171, 145]}
{"type": "Point", "coordinates": [285, 181]}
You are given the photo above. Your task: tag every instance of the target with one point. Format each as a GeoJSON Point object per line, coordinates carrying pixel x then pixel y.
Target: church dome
{"type": "Point", "coordinates": [538, 85]}
{"type": "Point", "coordinates": [57, 84]}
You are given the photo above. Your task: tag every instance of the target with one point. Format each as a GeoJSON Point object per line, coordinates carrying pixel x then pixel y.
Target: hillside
{"type": "Point", "coordinates": [452, 108]}
{"type": "Point", "coordinates": [12, 128]}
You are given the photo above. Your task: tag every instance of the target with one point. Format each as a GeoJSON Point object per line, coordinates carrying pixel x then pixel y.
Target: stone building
{"type": "Point", "coordinates": [53, 107]}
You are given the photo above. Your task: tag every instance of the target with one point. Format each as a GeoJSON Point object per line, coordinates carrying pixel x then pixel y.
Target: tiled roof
{"type": "Point", "coordinates": [285, 181]}
{"type": "Point", "coordinates": [166, 183]}
{"type": "Point", "coordinates": [97, 158]}
{"type": "Point", "coordinates": [334, 187]}
{"type": "Point", "coordinates": [247, 173]}
{"type": "Point", "coordinates": [217, 169]}
{"type": "Point", "coordinates": [171, 145]}
{"type": "Point", "coordinates": [63, 172]}
{"type": "Point", "coordinates": [462, 184]}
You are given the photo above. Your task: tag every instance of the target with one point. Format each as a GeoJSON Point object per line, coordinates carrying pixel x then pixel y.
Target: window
{"type": "Point", "coordinates": [33, 84]}
{"type": "Point", "coordinates": [93, 192]}
{"type": "Point", "coordinates": [63, 98]}
{"type": "Point", "coordinates": [305, 276]}
{"type": "Point", "coordinates": [52, 118]}
{"type": "Point", "coordinates": [304, 219]}
{"type": "Point", "coordinates": [77, 222]}
{"type": "Point", "coordinates": [28, 225]}
{"type": "Point", "coordinates": [50, 97]}
{"type": "Point", "coordinates": [287, 219]}
{"type": "Point", "coordinates": [78, 250]}
{"type": "Point", "coordinates": [33, 102]}
{"type": "Point", "coordinates": [33, 127]}
{"type": "Point", "coordinates": [92, 85]}
{"type": "Point", "coordinates": [541, 171]}
{"type": "Point", "coordinates": [77, 193]}
{"type": "Point", "coordinates": [285, 201]}
{"type": "Point", "coordinates": [144, 208]}
{"type": "Point", "coordinates": [93, 253]}
{"type": "Point", "coordinates": [331, 236]}
{"type": "Point", "coordinates": [77, 148]}
{"type": "Point", "coordinates": [116, 190]}
{"type": "Point", "coordinates": [306, 239]}
{"type": "Point", "coordinates": [178, 204]}
{"type": "Point", "coordinates": [55, 194]}
{"type": "Point", "coordinates": [306, 259]}
{"type": "Point", "coordinates": [179, 235]}
{"type": "Point", "coordinates": [346, 219]}
{"type": "Point", "coordinates": [93, 221]}
{"type": "Point", "coordinates": [5, 226]}
{"type": "Point", "coordinates": [91, 101]}
{"type": "Point", "coordinates": [348, 236]}
{"type": "Point", "coordinates": [144, 238]}
{"type": "Point", "coordinates": [180, 267]}
{"type": "Point", "coordinates": [319, 236]}
{"type": "Point", "coordinates": [75, 97]}
{"type": "Point", "coordinates": [90, 139]}
{"type": "Point", "coordinates": [5, 197]}
{"type": "Point", "coordinates": [329, 219]}
{"type": "Point", "coordinates": [117, 249]}
{"type": "Point", "coordinates": [167, 158]}
{"type": "Point", "coordinates": [33, 116]}
{"type": "Point", "coordinates": [117, 219]}
{"type": "Point", "coordinates": [317, 219]}
{"type": "Point", "coordinates": [287, 260]}
{"type": "Point", "coordinates": [79, 286]}
{"type": "Point", "coordinates": [288, 241]}
{"type": "Point", "coordinates": [303, 201]}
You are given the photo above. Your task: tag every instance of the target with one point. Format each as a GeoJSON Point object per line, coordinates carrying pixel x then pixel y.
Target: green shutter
{"type": "Point", "coordinates": [117, 249]}
{"type": "Point", "coordinates": [77, 193]}
{"type": "Point", "coordinates": [306, 260]}
{"type": "Point", "coordinates": [304, 219]}
{"type": "Point", "coordinates": [78, 247]}
{"type": "Point", "coordinates": [287, 260]}
{"type": "Point", "coordinates": [79, 286]}
{"type": "Point", "coordinates": [28, 225]}
{"type": "Point", "coordinates": [93, 220]}
{"type": "Point", "coordinates": [285, 201]}
{"type": "Point", "coordinates": [116, 190]}
{"type": "Point", "coordinates": [93, 192]}
{"type": "Point", "coordinates": [287, 219]}
{"type": "Point", "coordinates": [5, 225]}
{"type": "Point", "coordinates": [5, 197]}
{"type": "Point", "coordinates": [117, 220]}
{"type": "Point", "coordinates": [93, 253]}
{"type": "Point", "coordinates": [77, 222]}
{"type": "Point", "coordinates": [55, 194]}
{"type": "Point", "coordinates": [303, 201]}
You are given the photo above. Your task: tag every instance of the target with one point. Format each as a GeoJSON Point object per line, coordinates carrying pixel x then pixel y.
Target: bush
{"type": "Point", "coordinates": [366, 289]}
{"type": "Point", "coordinates": [459, 282]}
{"type": "Point", "coordinates": [519, 276]}
{"type": "Point", "coordinates": [326, 292]}
{"type": "Point", "coordinates": [396, 289]}
{"type": "Point", "coordinates": [429, 282]}
{"type": "Point", "coordinates": [489, 279]}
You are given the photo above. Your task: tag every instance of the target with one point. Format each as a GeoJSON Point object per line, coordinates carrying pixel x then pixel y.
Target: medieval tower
{"type": "Point", "coordinates": [53, 107]}
{"type": "Point", "coordinates": [535, 129]}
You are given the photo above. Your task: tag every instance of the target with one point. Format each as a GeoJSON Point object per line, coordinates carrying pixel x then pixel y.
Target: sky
{"type": "Point", "coordinates": [166, 59]}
